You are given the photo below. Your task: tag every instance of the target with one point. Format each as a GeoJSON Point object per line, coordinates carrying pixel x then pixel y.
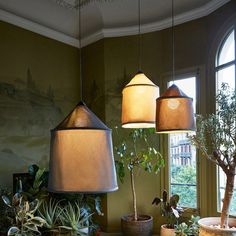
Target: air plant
{"type": "Point", "coordinates": [74, 219]}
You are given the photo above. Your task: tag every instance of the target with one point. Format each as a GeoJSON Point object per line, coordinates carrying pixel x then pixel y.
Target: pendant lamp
{"type": "Point", "coordinates": [174, 109]}
{"type": "Point", "coordinates": [139, 98]}
{"type": "Point", "coordinates": [81, 153]}
{"type": "Point", "coordinates": [174, 112]}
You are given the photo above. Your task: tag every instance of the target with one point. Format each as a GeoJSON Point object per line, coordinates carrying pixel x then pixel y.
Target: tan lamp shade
{"type": "Point", "coordinates": [139, 102]}
{"type": "Point", "coordinates": [174, 112]}
{"type": "Point", "coordinates": [81, 158]}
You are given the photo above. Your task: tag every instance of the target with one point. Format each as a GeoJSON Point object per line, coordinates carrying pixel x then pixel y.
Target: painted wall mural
{"type": "Point", "coordinates": [26, 115]}
{"type": "Point", "coordinates": [39, 85]}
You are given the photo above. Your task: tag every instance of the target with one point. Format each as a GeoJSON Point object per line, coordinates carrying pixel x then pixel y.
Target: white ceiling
{"type": "Point", "coordinates": [58, 19]}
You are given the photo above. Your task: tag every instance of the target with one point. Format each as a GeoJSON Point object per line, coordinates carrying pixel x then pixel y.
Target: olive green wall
{"type": "Point", "coordinates": [39, 85]}
{"type": "Point", "coordinates": [195, 43]}
{"type": "Point", "coordinates": [121, 63]}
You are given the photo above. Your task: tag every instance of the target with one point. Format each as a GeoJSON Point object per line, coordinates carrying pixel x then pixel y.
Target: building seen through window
{"type": "Point", "coordinates": [183, 166]}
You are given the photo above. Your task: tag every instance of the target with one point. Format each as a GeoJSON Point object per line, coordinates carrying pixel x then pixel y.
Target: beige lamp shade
{"type": "Point", "coordinates": [81, 158]}
{"type": "Point", "coordinates": [139, 102]}
{"type": "Point", "coordinates": [174, 112]}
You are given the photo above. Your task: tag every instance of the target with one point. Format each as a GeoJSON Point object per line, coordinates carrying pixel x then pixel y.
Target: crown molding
{"type": "Point", "coordinates": [37, 28]}
{"type": "Point", "coordinates": [110, 32]}
{"type": "Point", "coordinates": [155, 26]}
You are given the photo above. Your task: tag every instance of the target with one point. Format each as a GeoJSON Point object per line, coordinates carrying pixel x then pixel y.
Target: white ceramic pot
{"type": "Point", "coordinates": [206, 229]}
{"type": "Point", "coordinates": [166, 231]}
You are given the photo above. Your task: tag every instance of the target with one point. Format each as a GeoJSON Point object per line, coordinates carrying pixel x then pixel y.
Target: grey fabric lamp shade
{"type": "Point", "coordinates": [139, 102]}
{"type": "Point", "coordinates": [174, 112]}
{"type": "Point", "coordinates": [81, 158]}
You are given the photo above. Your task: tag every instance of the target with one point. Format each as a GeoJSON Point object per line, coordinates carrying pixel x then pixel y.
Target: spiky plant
{"type": "Point", "coordinates": [74, 219]}
{"type": "Point", "coordinates": [216, 139]}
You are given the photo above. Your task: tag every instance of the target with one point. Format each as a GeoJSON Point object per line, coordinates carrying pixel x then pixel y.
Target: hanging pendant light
{"type": "Point", "coordinates": [81, 153]}
{"type": "Point", "coordinates": [138, 103]}
{"type": "Point", "coordinates": [174, 109]}
{"type": "Point", "coordinates": [174, 112]}
{"type": "Point", "coordinates": [139, 98]}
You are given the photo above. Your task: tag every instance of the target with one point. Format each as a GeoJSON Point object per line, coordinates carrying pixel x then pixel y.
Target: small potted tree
{"type": "Point", "coordinates": [216, 139]}
{"type": "Point", "coordinates": [170, 210]}
{"type": "Point", "coordinates": [133, 154]}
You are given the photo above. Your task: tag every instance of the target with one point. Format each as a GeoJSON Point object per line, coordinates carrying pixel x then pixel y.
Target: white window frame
{"type": "Point", "coordinates": [166, 78]}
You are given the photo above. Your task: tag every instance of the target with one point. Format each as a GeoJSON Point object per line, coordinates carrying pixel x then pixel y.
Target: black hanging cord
{"type": "Point", "coordinates": [173, 42]}
{"type": "Point", "coordinates": [139, 34]}
{"type": "Point", "coordinates": [80, 53]}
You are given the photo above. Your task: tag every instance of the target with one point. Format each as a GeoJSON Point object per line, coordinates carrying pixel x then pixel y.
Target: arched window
{"type": "Point", "coordinates": [225, 73]}
{"type": "Point", "coordinates": [225, 61]}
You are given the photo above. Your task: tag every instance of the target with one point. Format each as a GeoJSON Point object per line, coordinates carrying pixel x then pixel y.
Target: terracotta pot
{"type": "Point", "coordinates": [166, 231]}
{"type": "Point", "coordinates": [142, 227]}
{"type": "Point", "coordinates": [206, 229]}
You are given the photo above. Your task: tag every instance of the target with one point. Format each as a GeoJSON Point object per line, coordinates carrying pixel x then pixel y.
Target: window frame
{"type": "Point", "coordinates": [166, 78]}
{"type": "Point", "coordinates": [218, 68]}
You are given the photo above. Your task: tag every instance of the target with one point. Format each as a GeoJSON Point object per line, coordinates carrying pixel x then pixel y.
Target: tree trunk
{"type": "Point", "coordinates": [134, 195]}
{"type": "Point", "coordinates": [229, 190]}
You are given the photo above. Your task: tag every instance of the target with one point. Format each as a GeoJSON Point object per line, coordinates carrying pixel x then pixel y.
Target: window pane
{"type": "Point", "coordinates": [221, 186]}
{"type": "Point", "coordinates": [183, 174]}
{"type": "Point", "coordinates": [226, 75]}
{"type": "Point", "coordinates": [227, 51]}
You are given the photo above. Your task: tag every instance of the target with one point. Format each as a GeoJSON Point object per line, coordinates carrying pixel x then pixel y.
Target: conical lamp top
{"type": "Point", "coordinates": [81, 155]}
{"type": "Point", "coordinates": [81, 117]}
{"type": "Point", "coordinates": [173, 91]}
{"type": "Point", "coordinates": [140, 79]}
{"type": "Point", "coordinates": [139, 102]}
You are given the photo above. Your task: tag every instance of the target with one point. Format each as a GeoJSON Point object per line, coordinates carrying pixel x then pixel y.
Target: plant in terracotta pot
{"type": "Point", "coordinates": [215, 137]}
{"type": "Point", "coordinates": [136, 153]}
{"type": "Point", "coordinates": [171, 212]}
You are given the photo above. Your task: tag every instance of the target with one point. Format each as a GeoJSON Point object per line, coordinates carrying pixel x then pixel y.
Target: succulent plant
{"type": "Point", "coordinates": [25, 222]}
{"type": "Point", "coordinates": [74, 219]}
{"type": "Point", "coordinates": [190, 229]}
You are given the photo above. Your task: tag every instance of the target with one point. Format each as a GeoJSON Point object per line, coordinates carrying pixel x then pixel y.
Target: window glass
{"type": "Point", "coordinates": [183, 173]}
{"type": "Point", "coordinates": [226, 74]}
{"type": "Point", "coordinates": [221, 192]}
{"type": "Point", "coordinates": [227, 52]}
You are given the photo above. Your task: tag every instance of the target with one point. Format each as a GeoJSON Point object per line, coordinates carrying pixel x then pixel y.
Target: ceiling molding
{"type": "Point", "coordinates": [110, 32]}
{"type": "Point", "coordinates": [37, 28]}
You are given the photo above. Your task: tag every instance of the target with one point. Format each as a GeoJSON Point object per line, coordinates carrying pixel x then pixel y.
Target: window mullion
{"type": "Point", "coordinates": [225, 65]}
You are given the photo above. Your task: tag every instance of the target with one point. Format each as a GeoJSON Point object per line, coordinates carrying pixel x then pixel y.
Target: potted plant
{"type": "Point", "coordinates": [25, 222]}
{"type": "Point", "coordinates": [215, 137]}
{"type": "Point", "coordinates": [136, 153]}
{"type": "Point", "coordinates": [190, 229]}
{"type": "Point", "coordinates": [5, 212]}
{"type": "Point", "coordinates": [170, 211]}
{"type": "Point", "coordinates": [59, 214]}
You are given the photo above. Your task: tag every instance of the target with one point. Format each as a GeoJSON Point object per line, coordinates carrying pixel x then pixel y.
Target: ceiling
{"type": "Point", "coordinates": [59, 19]}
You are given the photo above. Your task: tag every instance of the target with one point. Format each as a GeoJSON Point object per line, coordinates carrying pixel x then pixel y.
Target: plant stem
{"type": "Point", "coordinates": [134, 195]}
{"type": "Point", "coordinates": [227, 200]}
